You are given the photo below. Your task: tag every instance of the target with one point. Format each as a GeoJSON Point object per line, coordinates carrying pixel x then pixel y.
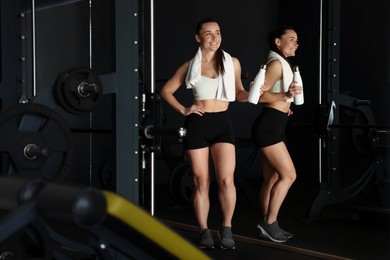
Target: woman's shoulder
{"type": "Point", "coordinates": [277, 64]}
{"type": "Point", "coordinates": [235, 60]}
{"type": "Point", "coordinates": [184, 66]}
{"type": "Point", "coordinates": [275, 68]}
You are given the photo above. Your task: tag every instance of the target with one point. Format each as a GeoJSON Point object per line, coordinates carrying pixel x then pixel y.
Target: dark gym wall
{"type": "Point", "coordinates": [62, 39]}
{"type": "Point", "coordinates": [365, 48]}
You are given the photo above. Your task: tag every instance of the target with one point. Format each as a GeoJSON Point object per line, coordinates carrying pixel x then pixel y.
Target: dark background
{"type": "Point", "coordinates": [64, 39]}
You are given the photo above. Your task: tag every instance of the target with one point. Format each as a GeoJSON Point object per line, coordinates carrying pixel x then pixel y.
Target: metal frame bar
{"type": "Point", "coordinates": [127, 92]}
{"type": "Point", "coordinates": [33, 35]}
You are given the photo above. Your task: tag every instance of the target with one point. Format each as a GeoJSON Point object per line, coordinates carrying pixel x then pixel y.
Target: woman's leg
{"type": "Point", "coordinates": [278, 158]}
{"type": "Point", "coordinates": [199, 160]}
{"type": "Point", "coordinates": [269, 177]}
{"type": "Point", "coordinates": [224, 159]}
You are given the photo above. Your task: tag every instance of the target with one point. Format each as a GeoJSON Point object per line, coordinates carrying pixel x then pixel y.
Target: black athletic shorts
{"type": "Point", "coordinates": [211, 128]}
{"type": "Point", "coordinates": [269, 127]}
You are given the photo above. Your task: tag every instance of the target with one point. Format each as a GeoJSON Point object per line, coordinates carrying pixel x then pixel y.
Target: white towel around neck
{"type": "Point", "coordinates": [287, 71]}
{"type": "Point", "coordinates": [226, 83]}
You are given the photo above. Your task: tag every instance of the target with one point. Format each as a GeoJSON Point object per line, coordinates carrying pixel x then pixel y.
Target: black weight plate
{"type": "Point", "coordinates": [36, 124]}
{"type": "Point", "coordinates": [59, 96]}
{"type": "Point", "coordinates": [79, 102]}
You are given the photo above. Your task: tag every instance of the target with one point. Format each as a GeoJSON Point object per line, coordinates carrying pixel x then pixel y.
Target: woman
{"type": "Point", "coordinates": [215, 80]}
{"type": "Point", "coordinates": [268, 131]}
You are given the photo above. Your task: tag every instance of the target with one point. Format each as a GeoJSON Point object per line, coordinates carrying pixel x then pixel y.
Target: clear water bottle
{"type": "Point", "coordinates": [254, 93]}
{"type": "Point", "coordinates": [298, 99]}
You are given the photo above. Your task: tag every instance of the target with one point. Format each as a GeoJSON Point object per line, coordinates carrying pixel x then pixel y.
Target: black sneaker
{"type": "Point", "coordinates": [206, 239]}
{"type": "Point", "coordinates": [226, 238]}
{"type": "Point", "coordinates": [272, 232]}
{"type": "Point", "coordinates": [286, 234]}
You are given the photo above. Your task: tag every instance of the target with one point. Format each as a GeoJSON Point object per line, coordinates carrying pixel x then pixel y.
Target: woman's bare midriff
{"type": "Point", "coordinates": [279, 105]}
{"type": "Point", "coordinates": [212, 105]}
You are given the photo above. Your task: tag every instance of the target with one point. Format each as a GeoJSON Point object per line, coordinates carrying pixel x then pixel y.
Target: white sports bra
{"type": "Point", "coordinates": [205, 88]}
{"type": "Point", "coordinates": [278, 88]}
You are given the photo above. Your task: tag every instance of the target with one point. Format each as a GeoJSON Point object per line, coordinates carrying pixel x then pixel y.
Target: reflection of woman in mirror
{"type": "Point", "coordinates": [268, 131]}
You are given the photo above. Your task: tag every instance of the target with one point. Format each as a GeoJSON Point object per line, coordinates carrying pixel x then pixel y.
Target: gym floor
{"type": "Point", "coordinates": [342, 231]}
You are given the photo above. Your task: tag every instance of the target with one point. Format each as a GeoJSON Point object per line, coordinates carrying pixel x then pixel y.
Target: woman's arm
{"type": "Point", "coordinates": [172, 85]}
{"type": "Point", "coordinates": [273, 73]}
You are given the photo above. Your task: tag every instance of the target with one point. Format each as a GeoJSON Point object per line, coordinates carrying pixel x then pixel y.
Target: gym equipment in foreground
{"type": "Point", "coordinates": [84, 221]}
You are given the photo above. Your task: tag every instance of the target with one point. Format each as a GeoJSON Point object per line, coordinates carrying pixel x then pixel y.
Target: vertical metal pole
{"type": "Point", "coordinates": [90, 32]}
{"type": "Point", "coordinates": [152, 89]}
{"type": "Point", "coordinates": [90, 66]}
{"type": "Point", "coordinates": [320, 92]}
{"type": "Point", "coordinates": [152, 184]}
{"type": "Point", "coordinates": [152, 81]}
{"type": "Point", "coordinates": [34, 69]}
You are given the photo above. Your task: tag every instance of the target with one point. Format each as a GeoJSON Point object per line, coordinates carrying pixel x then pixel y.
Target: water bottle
{"type": "Point", "coordinates": [254, 93]}
{"type": "Point", "coordinates": [298, 99]}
